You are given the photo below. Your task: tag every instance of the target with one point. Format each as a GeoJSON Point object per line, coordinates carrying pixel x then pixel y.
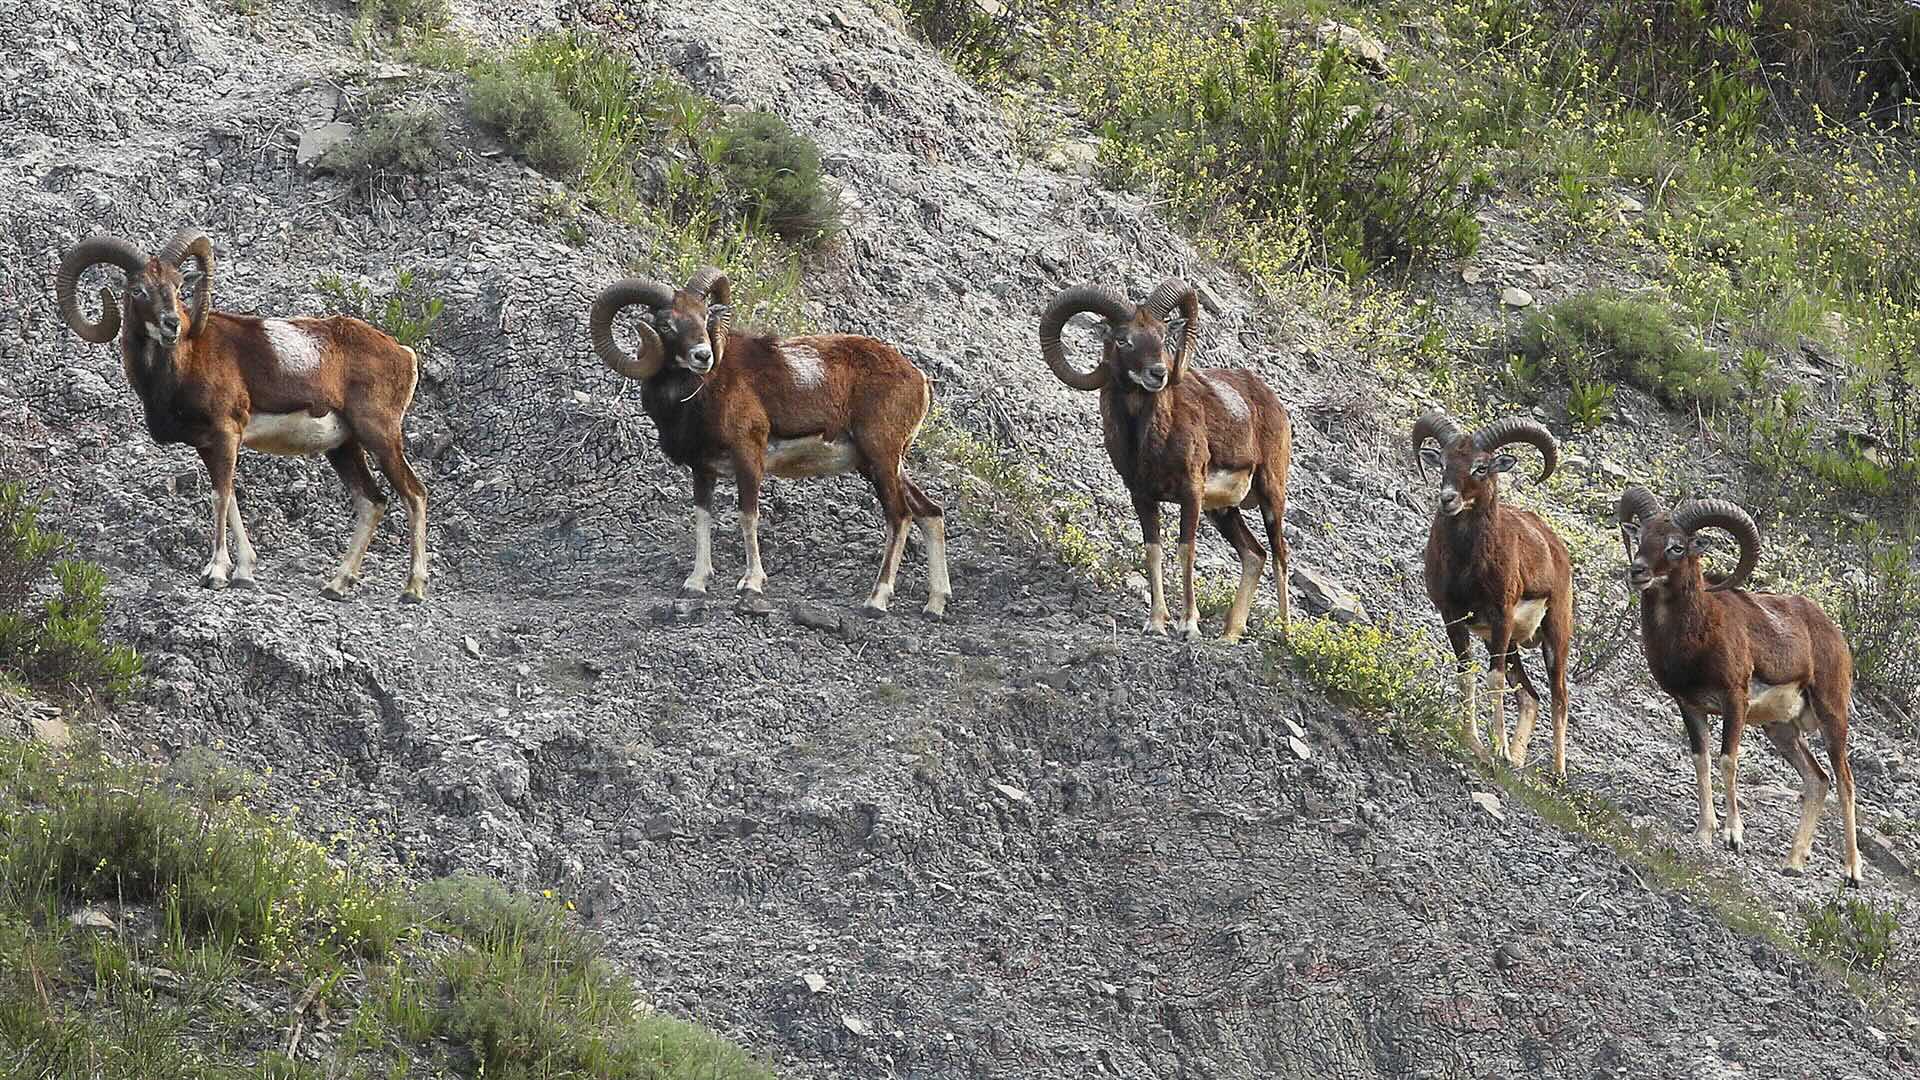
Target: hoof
{"type": "Point", "coordinates": [1790, 870]}
{"type": "Point", "coordinates": [244, 584]}
{"type": "Point", "coordinates": [1850, 881]}
{"type": "Point", "coordinates": [873, 612]}
{"type": "Point", "coordinates": [752, 603]}
{"type": "Point", "coordinates": [688, 592]}
{"type": "Point", "coordinates": [1704, 837]}
{"type": "Point", "coordinates": [411, 597]}
{"type": "Point", "coordinates": [333, 592]}
{"type": "Point", "coordinates": [208, 581]}
{"type": "Point", "coordinates": [1154, 629]}
{"type": "Point", "coordinates": [933, 614]}
{"type": "Point", "coordinates": [1189, 633]}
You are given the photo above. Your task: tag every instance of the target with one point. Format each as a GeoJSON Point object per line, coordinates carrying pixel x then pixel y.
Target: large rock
{"type": "Point", "coordinates": [1325, 596]}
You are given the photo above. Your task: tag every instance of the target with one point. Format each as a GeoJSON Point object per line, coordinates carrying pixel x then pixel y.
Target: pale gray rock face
{"type": "Point", "coordinates": [1176, 891]}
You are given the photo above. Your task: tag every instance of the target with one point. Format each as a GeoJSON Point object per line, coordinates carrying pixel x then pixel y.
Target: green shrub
{"type": "Point", "coordinates": [1608, 336]}
{"type": "Point", "coordinates": [1879, 608]}
{"type": "Point", "coordinates": [1263, 136]}
{"type": "Point", "coordinates": [1371, 669]}
{"type": "Point", "coordinates": [398, 18]}
{"type": "Point", "coordinates": [408, 311]}
{"type": "Point", "coordinates": [776, 175]}
{"type": "Point", "coordinates": [979, 38]}
{"type": "Point", "coordinates": [1852, 931]}
{"type": "Point", "coordinates": [1590, 403]}
{"type": "Point", "coordinates": [55, 645]}
{"type": "Point", "coordinates": [530, 113]}
{"type": "Point", "coordinates": [413, 142]}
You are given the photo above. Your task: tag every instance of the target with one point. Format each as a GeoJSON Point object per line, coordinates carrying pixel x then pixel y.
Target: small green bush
{"type": "Point", "coordinates": [408, 311]}
{"type": "Point", "coordinates": [1879, 608]}
{"type": "Point", "coordinates": [979, 39]}
{"type": "Point", "coordinates": [1852, 931]}
{"type": "Point", "coordinates": [1603, 336]}
{"type": "Point", "coordinates": [776, 175]}
{"type": "Point", "coordinates": [1371, 669]}
{"type": "Point", "coordinates": [530, 113]}
{"type": "Point", "coordinates": [413, 142]}
{"type": "Point", "coordinates": [398, 18]}
{"type": "Point", "coordinates": [57, 645]}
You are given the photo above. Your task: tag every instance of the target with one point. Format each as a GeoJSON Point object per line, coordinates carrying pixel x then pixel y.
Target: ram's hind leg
{"type": "Point", "coordinates": [1253, 564]}
{"type": "Point", "coordinates": [1829, 703]}
{"type": "Point", "coordinates": [391, 456]}
{"type": "Point", "coordinates": [933, 529]}
{"type": "Point", "coordinates": [1813, 790]}
{"type": "Point", "coordinates": [1528, 707]}
{"type": "Point", "coordinates": [1553, 650]}
{"type": "Point", "coordinates": [889, 486]}
{"type": "Point", "coordinates": [1273, 509]}
{"type": "Point", "coordinates": [369, 505]}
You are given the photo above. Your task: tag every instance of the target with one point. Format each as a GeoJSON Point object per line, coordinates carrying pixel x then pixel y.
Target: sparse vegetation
{"type": "Point", "coordinates": [1279, 147]}
{"type": "Point", "coordinates": [411, 142]}
{"type": "Point", "coordinates": [1376, 670]}
{"type": "Point", "coordinates": [1879, 609]}
{"type": "Point", "coordinates": [53, 612]}
{"type": "Point", "coordinates": [408, 311]}
{"type": "Point", "coordinates": [1853, 932]}
{"type": "Point", "coordinates": [402, 19]}
{"type": "Point", "coordinates": [137, 926]}
{"type": "Point", "coordinates": [1596, 337]}
{"type": "Point", "coordinates": [527, 110]}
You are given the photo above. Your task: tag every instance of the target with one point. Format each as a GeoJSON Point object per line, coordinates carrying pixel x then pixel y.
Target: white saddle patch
{"type": "Point", "coordinates": [1527, 617]}
{"type": "Point", "coordinates": [1229, 399]}
{"type": "Point", "coordinates": [1784, 704]}
{"type": "Point", "coordinates": [297, 351]}
{"type": "Point", "coordinates": [1226, 487]}
{"type": "Point", "coordinates": [804, 362]}
{"type": "Point", "coordinates": [810, 455]}
{"type": "Point", "coordinates": [294, 434]}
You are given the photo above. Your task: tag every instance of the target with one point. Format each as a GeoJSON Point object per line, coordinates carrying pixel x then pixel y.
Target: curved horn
{"type": "Point", "coordinates": [193, 244]}
{"type": "Point", "coordinates": [99, 248]}
{"type": "Point", "coordinates": [1102, 302]}
{"type": "Point", "coordinates": [1437, 426]}
{"type": "Point", "coordinates": [1696, 514]}
{"type": "Point", "coordinates": [1637, 504]}
{"type": "Point", "coordinates": [614, 299]}
{"type": "Point", "coordinates": [712, 284]}
{"type": "Point", "coordinates": [1168, 295]}
{"type": "Point", "coordinates": [1512, 430]}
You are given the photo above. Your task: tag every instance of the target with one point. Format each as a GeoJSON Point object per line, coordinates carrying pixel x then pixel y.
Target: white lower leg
{"type": "Point", "coordinates": [1850, 827]}
{"type": "Point", "coordinates": [702, 551]}
{"type": "Point", "coordinates": [756, 578]}
{"type": "Point", "coordinates": [889, 567]}
{"type": "Point", "coordinates": [1730, 776]}
{"type": "Point", "coordinates": [366, 518]}
{"type": "Point", "coordinates": [1251, 566]}
{"type": "Point", "coordinates": [417, 563]}
{"type": "Point", "coordinates": [1469, 707]}
{"type": "Point", "coordinates": [214, 575]}
{"type": "Point", "coordinates": [1497, 711]}
{"type": "Point", "coordinates": [243, 548]}
{"type": "Point", "coordinates": [1523, 727]}
{"type": "Point", "coordinates": [934, 531]}
{"type": "Point", "coordinates": [1189, 625]}
{"type": "Point", "coordinates": [1156, 590]}
{"type": "Point", "coordinates": [1813, 800]}
{"type": "Point", "coordinates": [1282, 592]}
{"type": "Point", "coordinates": [1706, 821]}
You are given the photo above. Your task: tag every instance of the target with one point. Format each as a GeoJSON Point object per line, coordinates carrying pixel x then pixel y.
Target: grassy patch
{"type": "Point", "coordinates": [1852, 931]}
{"type": "Point", "coordinates": [1595, 338]}
{"type": "Point", "coordinates": [52, 611]}
{"type": "Point", "coordinates": [410, 142]}
{"type": "Point", "coordinates": [408, 311]}
{"type": "Point", "coordinates": [400, 20]}
{"type": "Point", "coordinates": [146, 934]}
{"type": "Point", "coordinates": [1253, 129]}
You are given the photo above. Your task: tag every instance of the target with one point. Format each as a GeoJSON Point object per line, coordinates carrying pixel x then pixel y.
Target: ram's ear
{"type": "Point", "coordinates": [1431, 457]}
{"type": "Point", "coordinates": [1504, 462]}
{"type": "Point", "coordinates": [719, 316]}
{"type": "Point", "coordinates": [1630, 532]}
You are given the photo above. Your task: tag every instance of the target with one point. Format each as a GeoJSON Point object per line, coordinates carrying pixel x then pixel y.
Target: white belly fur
{"type": "Point", "coordinates": [294, 434]}
{"type": "Point", "coordinates": [1226, 487]}
{"type": "Point", "coordinates": [1527, 616]}
{"type": "Point", "coordinates": [1784, 704]}
{"type": "Point", "coordinates": [810, 456]}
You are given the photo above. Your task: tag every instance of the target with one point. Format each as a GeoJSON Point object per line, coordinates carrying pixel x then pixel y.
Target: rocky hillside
{"type": "Point", "coordinates": [1027, 841]}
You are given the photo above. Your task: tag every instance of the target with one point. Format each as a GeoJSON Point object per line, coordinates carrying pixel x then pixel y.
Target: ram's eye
{"type": "Point", "coordinates": [1479, 470]}
{"type": "Point", "coordinates": [1676, 550]}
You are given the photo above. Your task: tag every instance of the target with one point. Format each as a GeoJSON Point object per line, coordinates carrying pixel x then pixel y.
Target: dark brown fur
{"type": "Point", "coordinates": [1707, 650]}
{"type": "Point", "coordinates": [1481, 564]}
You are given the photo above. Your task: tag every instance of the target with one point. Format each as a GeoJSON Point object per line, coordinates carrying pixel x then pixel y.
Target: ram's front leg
{"type": "Point", "coordinates": [219, 455]}
{"type": "Point", "coordinates": [751, 598]}
{"type": "Point", "coordinates": [1462, 643]}
{"type": "Point", "coordinates": [1705, 820]}
{"type": "Point", "coordinates": [1148, 511]}
{"type": "Point", "coordinates": [695, 587]}
{"type": "Point", "coordinates": [1189, 625]}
